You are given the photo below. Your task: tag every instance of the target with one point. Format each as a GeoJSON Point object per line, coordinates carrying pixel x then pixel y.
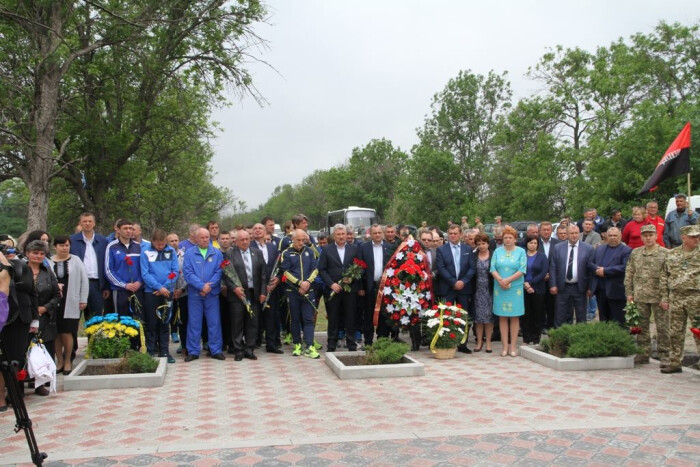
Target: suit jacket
{"type": "Point", "coordinates": [366, 254]}
{"type": "Point", "coordinates": [558, 261]}
{"type": "Point", "coordinates": [552, 243]}
{"type": "Point", "coordinates": [447, 273]}
{"type": "Point", "coordinates": [593, 239]}
{"type": "Point", "coordinates": [234, 255]}
{"type": "Point", "coordinates": [272, 253]}
{"type": "Point", "coordinates": [331, 269]}
{"type": "Point", "coordinates": [540, 268]}
{"type": "Point", "coordinates": [613, 284]}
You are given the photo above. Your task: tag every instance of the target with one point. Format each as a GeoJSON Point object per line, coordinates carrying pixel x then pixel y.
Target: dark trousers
{"type": "Point", "coordinates": [550, 306]}
{"type": "Point", "coordinates": [534, 316]}
{"type": "Point", "coordinates": [124, 305]}
{"type": "Point", "coordinates": [610, 309]}
{"type": "Point", "coordinates": [181, 303]}
{"type": "Point", "coordinates": [302, 317]}
{"type": "Point", "coordinates": [271, 316]}
{"type": "Point", "coordinates": [370, 300]}
{"type": "Point", "coordinates": [342, 307]}
{"type": "Point", "coordinates": [569, 301]}
{"type": "Point", "coordinates": [157, 332]}
{"type": "Point", "coordinates": [244, 328]}
{"type": "Point", "coordinates": [95, 303]}
{"type": "Point", "coordinates": [225, 317]}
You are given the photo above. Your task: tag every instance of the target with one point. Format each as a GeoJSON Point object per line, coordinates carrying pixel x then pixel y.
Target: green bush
{"type": "Point", "coordinates": [137, 362]}
{"type": "Point", "coordinates": [589, 341]}
{"type": "Point", "coordinates": [385, 351]}
{"type": "Point", "coordinates": [103, 347]}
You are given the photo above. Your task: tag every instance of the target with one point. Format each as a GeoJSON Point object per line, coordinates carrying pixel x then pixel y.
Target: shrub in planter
{"type": "Point", "coordinates": [589, 341]}
{"type": "Point", "coordinates": [384, 351]}
{"type": "Point", "coordinates": [137, 362]}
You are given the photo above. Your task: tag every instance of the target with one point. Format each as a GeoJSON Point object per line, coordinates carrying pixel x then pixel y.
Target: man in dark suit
{"type": "Point", "coordinates": [333, 262]}
{"type": "Point", "coordinates": [570, 269]}
{"type": "Point", "coordinates": [250, 269]}
{"type": "Point", "coordinates": [546, 246]}
{"type": "Point", "coordinates": [269, 318]}
{"type": "Point", "coordinates": [375, 254]}
{"type": "Point", "coordinates": [90, 247]}
{"type": "Point", "coordinates": [608, 281]}
{"type": "Point", "coordinates": [455, 272]}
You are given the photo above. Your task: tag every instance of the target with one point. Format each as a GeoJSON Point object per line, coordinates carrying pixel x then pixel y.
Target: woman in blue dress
{"type": "Point", "coordinates": [508, 267]}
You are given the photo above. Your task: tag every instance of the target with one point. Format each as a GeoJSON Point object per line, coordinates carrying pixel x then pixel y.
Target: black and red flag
{"type": "Point", "coordinates": [676, 161]}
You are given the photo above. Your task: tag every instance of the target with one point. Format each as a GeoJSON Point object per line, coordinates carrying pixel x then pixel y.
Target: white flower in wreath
{"type": "Point", "coordinates": [419, 258]}
{"type": "Point", "coordinates": [405, 320]}
{"type": "Point", "coordinates": [442, 331]}
{"type": "Point", "coordinates": [410, 242]}
{"type": "Point", "coordinates": [432, 322]}
{"type": "Point", "coordinates": [399, 255]}
{"type": "Point", "coordinates": [427, 295]}
{"type": "Point", "coordinates": [390, 272]}
{"type": "Point", "coordinates": [390, 308]}
{"type": "Point", "coordinates": [387, 291]}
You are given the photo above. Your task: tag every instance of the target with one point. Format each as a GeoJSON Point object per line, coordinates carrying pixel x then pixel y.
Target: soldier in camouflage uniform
{"type": "Point", "coordinates": [680, 292]}
{"type": "Point", "coordinates": [642, 288]}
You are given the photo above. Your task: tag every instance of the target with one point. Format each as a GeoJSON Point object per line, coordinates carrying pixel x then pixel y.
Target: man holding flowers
{"type": "Point", "coordinates": [341, 269]}
{"type": "Point", "coordinates": [123, 271]}
{"type": "Point", "coordinates": [159, 269]}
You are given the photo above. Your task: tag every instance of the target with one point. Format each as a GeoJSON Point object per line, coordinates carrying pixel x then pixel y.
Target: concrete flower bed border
{"type": "Point", "coordinates": [576, 364]}
{"type": "Point", "coordinates": [411, 367]}
{"type": "Point", "coordinates": [76, 382]}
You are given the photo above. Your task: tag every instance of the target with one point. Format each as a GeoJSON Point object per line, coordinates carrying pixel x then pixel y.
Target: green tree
{"type": "Point", "coordinates": [14, 199]}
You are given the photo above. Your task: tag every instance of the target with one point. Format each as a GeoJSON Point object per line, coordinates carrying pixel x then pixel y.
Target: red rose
{"type": "Point", "coordinates": [446, 313]}
{"type": "Point", "coordinates": [360, 263]}
{"type": "Point", "coordinates": [416, 247]}
{"type": "Point", "coordinates": [452, 335]}
{"type": "Point", "coordinates": [22, 375]}
{"type": "Point", "coordinates": [403, 312]}
{"type": "Point", "coordinates": [129, 261]}
{"type": "Point", "coordinates": [407, 285]}
{"type": "Point", "coordinates": [635, 330]}
{"type": "Point", "coordinates": [446, 323]}
{"type": "Point", "coordinates": [172, 276]}
{"type": "Point", "coordinates": [284, 278]}
{"type": "Point", "coordinates": [696, 332]}
{"type": "Point", "coordinates": [225, 263]}
{"type": "Point", "coordinates": [395, 316]}
{"type": "Point", "coordinates": [393, 263]}
{"type": "Point", "coordinates": [448, 303]}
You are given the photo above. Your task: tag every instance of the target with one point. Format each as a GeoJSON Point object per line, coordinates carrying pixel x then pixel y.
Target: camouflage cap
{"type": "Point", "coordinates": [691, 230]}
{"type": "Point", "coordinates": [649, 228]}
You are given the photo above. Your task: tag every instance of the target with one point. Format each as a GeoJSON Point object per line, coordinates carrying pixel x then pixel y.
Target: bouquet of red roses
{"type": "Point", "coordinates": [352, 273]}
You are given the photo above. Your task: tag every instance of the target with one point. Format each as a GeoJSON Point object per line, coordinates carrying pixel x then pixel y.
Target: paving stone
{"type": "Point", "coordinates": [532, 436]}
{"type": "Point", "coordinates": [513, 450]}
{"type": "Point", "coordinates": [530, 463]}
{"type": "Point", "coordinates": [623, 444]}
{"type": "Point", "coordinates": [145, 459]}
{"type": "Point", "coordinates": [271, 463]}
{"type": "Point", "coordinates": [397, 458]}
{"type": "Point", "coordinates": [314, 462]}
{"type": "Point", "coordinates": [461, 441]}
{"type": "Point", "coordinates": [685, 455]}
{"type": "Point", "coordinates": [551, 448]}
{"type": "Point", "coordinates": [184, 458]}
{"type": "Point", "coordinates": [649, 457]}
{"type": "Point", "coordinates": [586, 446]}
{"type": "Point", "coordinates": [569, 461]}
{"type": "Point", "coordinates": [230, 454]}
{"type": "Point", "coordinates": [270, 451]}
{"type": "Point", "coordinates": [496, 439]}
{"type": "Point", "coordinates": [689, 440]}
{"type": "Point", "coordinates": [567, 435]}
{"type": "Point", "coordinates": [436, 455]}
{"type": "Point", "coordinates": [606, 459]}
{"type": "Point", "coordinates": [356, 460]}
{"type": "Point", "coordinates": [309, 449]}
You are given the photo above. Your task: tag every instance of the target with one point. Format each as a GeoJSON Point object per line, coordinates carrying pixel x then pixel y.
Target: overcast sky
{"type": "Point", "coordinates": [347, 72]}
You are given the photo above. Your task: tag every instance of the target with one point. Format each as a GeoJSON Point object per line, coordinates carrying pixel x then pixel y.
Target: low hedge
{"type": "Point", "coordinates": [589, 341]}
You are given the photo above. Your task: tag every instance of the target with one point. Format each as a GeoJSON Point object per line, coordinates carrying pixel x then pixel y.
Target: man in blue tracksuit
{"type": "Point", "coordinates": [202, 270]}
{"type": "Point", "coordinates": [159, 269]}
{"type": "Point", "coordinates": [123, 271]}
{"type": "Point", "coordinates": [299, 271]}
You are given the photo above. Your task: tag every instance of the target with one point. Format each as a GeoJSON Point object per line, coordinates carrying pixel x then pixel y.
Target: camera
{"type": "Point", "coordinates": [7, 250]}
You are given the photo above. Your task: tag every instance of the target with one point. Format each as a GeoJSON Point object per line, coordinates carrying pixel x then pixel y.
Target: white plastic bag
{"type": "Point", "coordinates": [41, 366]}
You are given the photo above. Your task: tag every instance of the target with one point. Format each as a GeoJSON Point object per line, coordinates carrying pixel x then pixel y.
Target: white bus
{"type": "Point", "coordinates": [359, 218]}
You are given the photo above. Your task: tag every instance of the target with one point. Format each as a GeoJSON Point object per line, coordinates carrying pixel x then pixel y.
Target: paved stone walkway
{"type": "Point", "coordinates": [474, 409]}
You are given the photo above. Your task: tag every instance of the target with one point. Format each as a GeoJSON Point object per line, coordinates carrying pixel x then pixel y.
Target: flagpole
{"type": "Point", "coordinates": [689, 194]}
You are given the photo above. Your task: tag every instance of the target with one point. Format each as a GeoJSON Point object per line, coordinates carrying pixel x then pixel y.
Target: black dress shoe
{"type": "Point", "coordinates": [219, 356]}
{"type": "Point", "coordinates": [276, 350]}
{"type": "Point", "coordinates": [238, 357]}
{"type": "Point", "coordinates": [463, 348]}
{"type": "Point", "coordinates": [191, 357]}
{"type": "Point", "coordinates": [249, 355]}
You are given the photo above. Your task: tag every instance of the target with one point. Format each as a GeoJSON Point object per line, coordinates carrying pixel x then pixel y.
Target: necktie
{"type": "Point", "coordinates": [455, 253]}
{"type": "Point", "coordinates": [248, 266]}
{"type": "Point", "coordinates": [570, 266]}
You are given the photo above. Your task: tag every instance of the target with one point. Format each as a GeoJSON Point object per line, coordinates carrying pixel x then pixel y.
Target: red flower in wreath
{"type": "Point", "coordinates": [452, 335]}
{"type": "Point", "coordinates": [395, 316]}
{"type": "Point", "coordinates": [416, 247]}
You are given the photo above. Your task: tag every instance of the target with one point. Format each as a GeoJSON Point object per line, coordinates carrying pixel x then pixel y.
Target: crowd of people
{"type": "Point", "coordinates": [232, 292]}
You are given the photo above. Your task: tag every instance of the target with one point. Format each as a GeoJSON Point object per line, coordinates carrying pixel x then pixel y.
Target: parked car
{"type": "Point", "coordinates": [521, 227]}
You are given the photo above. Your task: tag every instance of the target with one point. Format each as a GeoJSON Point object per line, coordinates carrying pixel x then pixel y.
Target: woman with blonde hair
{"type": "Point", "coordinates": [508, 267]}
